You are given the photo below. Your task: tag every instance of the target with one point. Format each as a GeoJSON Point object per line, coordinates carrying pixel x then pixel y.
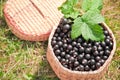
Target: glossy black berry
{"type": "Point", "coordinates": [111, 44]}
{"type": "Point", "coordinates": [60, 43]}
{"type": "Point", "coordinates": [65, 46]}
{"type": "Point", "coordinates": [102, 61]}
{"type": "Point", "coordinates": [56, 35]}
{"type": "Point", "coordinates": [103, 44]}
{"type": "Point", "coordinates": [78, 45]}
{"type": "Point", "coordinates": [67, 56]}
{"type": "Point", "coordinates": [64, 20]}
{"type": "Point", "coordinates": [93, 67]}
{"type": "Point", "coordinates": [62, 54]}
{"type": "Point", "coordinates": [98, 65]}
{"type": "Point", "coordinates": [92, 62]}
{"type": "Point", "coordinates": [81, 67]}
{"type": "Point", "coordinates": [101, 53]}
{"type": "Point", "coordinates": [75, 54]}
{"type": "Point", "coordinates": [74, 43]}
{"type": "Point", "coordinates": [81, 49]}
{"type": "Point", "coordinates": [80, 57]}
{"type": "Point", "coordinates": [69, 47]}
{"type": "Point", "coordinates": [75, 48]}
{"type": "Point", "coordinates": [88, 50]}
{"type": "Point", "coordinates": [63, 61]}
{"type": "Point", "coordinates": [56, 47]}
{"type": "Point", "coordinates": [54, 38]}
{"type": "Point", "coordinates": [66, 27]}
{"type": "Point", "coordinates": [105, 57]}
{"type": "Point", "coordinates": [94, 48]}
{"type": "Point", "coordinates": [84, 44]}
{"type": "Point", "coordinates": [58, 38]}
{"type": "Point", "coordinates": [53, 42]}
{"type": "Point", "coordinates": [57, 52]}
{"type": "Point", "coordinates": [100, 48]}
{"type": "Point", "coordinates": [97, 58]}
{"type": "Point", "coordinates": [107, 52]}
{"type": "Point", "coordinates": [87, 68]}
{"type": "Point", "coordinates": [107, 41]}
{"type": "Point", "coordinates": [87, 56]}
{"type": "Point", "coordinates": [80, 40]}
{"type": "Point", "coordinates": [96, 53]}
{"type": "Point", "coordinates": [62, 34]}
{"type": "Point", "coordinates": [106, 32]}
{"type": "Point", "coordinates": [58, 30]}
{"type": "Point", "coordinates": [97, 43]}
{"type": "Point", "coordinates": [69, 40]}
{"type": "Point", "coordinates": [107, 48]}
{"type": "Point", "coordinates": [84, 62]}
{"type": "Point", "coordinates": [59, 58]}
{"type": "Point", "coordinates": [76, 63]}
{"type": "Point", "coordinates": [72, 59]}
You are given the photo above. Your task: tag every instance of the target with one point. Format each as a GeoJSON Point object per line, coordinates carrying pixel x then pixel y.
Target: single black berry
{"type": "Point", "coordinates": [87, 56]}
{"type": "Point", "coordinates": [74, 43]}
{"type": "Point", "coordinates": [56, 47]}
{"type": "Point", "coordinates": [81, 67]}
{"type": "Point", "coordinates": [81, 49]}
{"type": "Point", "coordinates": [69, 47]}
{"type": "Point", "coordinates": [57, 52]}
{"type": "Point", "coordinates": [107, 52]}
{"type": "Point", "coordinates": [98, 65]}
{"type": "Point", "coordinates": [59, 58]}
{"type": "Point", "coordinates": [107, 41]}
{"type": "Point", "coordinates": [67, 56]}
{"type": "Point", "coordinates": [62, 54]}
{"type": "Point", "coordinates": [72, 59]}
{"type": "Point", "coordinates": [100, 48]}
{"type": "Point", "coordinates": [53, 42]}
{"type": "Point", "coordinates": [66, 27]}
{"type": "Point", "coordinates": [97, 58]}
{"type": "Point", "coordinates": [80, 57]}
{"type": "Point", "coordinates": [92, 62]}
{"type": "Point", "coordinates": [87, 68]}
{"type": "Point", "coordinates": [106, 32]}
{"type": "Point", "coordinates": [96, 53]}
{"type": "Point", "coordinates": [60, 43]}
{"type": "Point", "coordinates": [76, 63]}
{"type": "Point", "coordinates": [84, 62]}
{"type": "Point", "coordinates": [87, 50]}
{"type": "Point", "coordinates": [103, 44]}
{"type": "Point", "coordinates": [102, 61]}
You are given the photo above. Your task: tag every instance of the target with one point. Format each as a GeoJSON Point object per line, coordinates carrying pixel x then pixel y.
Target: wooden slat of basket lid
{"type": "Point", "coordinates": [49, 9]}
{"type": "Point", "coordinates": [34, 17]}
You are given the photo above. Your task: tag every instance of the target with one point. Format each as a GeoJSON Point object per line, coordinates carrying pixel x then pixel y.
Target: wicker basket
{"type": "Point", "coordinates": [66, 74]}
{"type": "Point", "coordinates": [32, 20]}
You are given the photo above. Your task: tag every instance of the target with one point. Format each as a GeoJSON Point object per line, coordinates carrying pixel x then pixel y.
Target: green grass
{"type": "Point", "coordinates": [23, 60]}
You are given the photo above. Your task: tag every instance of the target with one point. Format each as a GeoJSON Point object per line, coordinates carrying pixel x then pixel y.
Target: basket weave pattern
{"type": "Point", "coordinates": [66, 74]}
{"type": "Point", "coordinates": [32, 19]}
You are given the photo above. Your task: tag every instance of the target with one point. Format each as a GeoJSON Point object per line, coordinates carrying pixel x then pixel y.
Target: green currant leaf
{"type": "Point", "coordinates": [76, 28]}
{"type": "Point", "coordinates": [92, 4]}
{"type": "Point", "coordinates": [97, 32]}
{"type": "Point", "coordinates": [93, 17]}
{"type": "Point", "coordinates": [97, 4]}
{"type": "Point", "coordinates": [86, 5]}
{"type": "Point", "coordinates": [68, 10]}
{"type": "Point", "coordinates": [92, 32]}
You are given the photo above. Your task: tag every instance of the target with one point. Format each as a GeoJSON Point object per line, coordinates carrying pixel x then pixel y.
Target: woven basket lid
{"type": "Point", "coordinates": [32, 20]}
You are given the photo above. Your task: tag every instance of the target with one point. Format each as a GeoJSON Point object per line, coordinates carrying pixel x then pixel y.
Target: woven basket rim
{"type": "Point", "coordinates": [85, 72]}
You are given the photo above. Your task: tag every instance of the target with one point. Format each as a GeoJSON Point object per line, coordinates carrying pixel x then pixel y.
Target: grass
{"type": "Point", "coordinates": [25, 60]}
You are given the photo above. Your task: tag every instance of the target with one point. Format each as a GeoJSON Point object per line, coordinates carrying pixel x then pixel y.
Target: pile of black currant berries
{"type": "Point", "coordinates": [78, 54]}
